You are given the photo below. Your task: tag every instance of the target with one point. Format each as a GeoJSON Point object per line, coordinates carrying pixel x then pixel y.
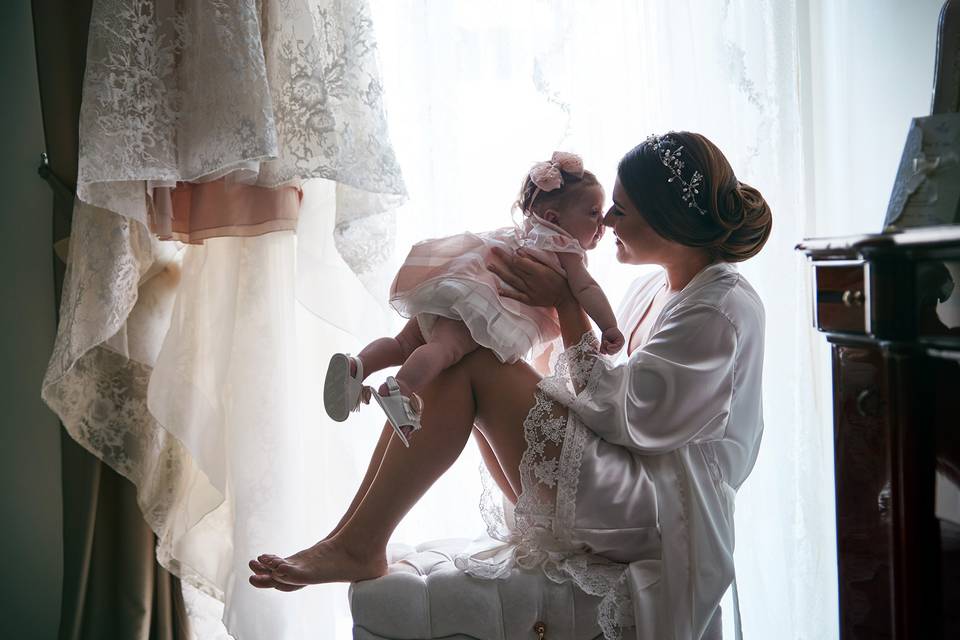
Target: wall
{"type": "Point", "coordinates": [30, 502]}
{"type": "Point", "coordinates": [870, 70]}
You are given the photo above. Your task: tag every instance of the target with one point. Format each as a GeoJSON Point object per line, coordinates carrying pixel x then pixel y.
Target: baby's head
{"type": "Point", "coordinates": [562, 192]}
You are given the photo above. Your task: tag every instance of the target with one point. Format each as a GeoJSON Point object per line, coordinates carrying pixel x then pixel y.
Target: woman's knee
{"type": "Point", "coordinates": [479, 363]}
{"type": "Point", "coordinates": [491, 377]}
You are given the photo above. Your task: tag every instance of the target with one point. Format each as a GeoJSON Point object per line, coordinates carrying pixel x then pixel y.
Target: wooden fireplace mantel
{"type": "Point", "coordinates": [889, 305]}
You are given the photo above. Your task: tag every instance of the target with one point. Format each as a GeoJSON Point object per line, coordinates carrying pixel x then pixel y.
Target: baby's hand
{"type": "Point", "coordinates": [611, 341]}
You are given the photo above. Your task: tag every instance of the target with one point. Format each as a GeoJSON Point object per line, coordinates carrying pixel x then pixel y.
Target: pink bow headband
{"type": "Point", "coordinates": [548, 176]}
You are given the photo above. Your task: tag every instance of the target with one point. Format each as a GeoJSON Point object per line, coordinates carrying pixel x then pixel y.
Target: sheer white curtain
{"type": "Point", "coordinates": [478, 92]}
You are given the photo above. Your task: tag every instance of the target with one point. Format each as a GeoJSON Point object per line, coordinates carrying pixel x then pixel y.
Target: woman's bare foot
{"type": "Point", "coordinates": [327, 561]}
{"type": "Point", "coordinates": [262, 579]}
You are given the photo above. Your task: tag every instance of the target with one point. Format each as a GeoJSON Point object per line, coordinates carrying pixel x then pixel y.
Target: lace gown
{"type": "Point", "coordinates": [449, 277]}
{"type": "Point", "coordinates": [632, 465]}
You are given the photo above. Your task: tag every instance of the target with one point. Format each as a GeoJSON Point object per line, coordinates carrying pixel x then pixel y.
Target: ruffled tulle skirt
{"type": "Point", "coordinates": [448, 277]}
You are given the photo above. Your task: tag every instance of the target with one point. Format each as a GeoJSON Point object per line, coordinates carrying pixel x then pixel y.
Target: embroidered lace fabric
{"type": "Point", "coordinates": [267, 93]}
{"type": "Point", "coordinates": [100, 392]}
{"type": "Point", "coordinates": [538, 532]}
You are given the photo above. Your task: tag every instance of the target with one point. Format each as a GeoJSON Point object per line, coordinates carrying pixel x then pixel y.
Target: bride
{"type": "Point", "coordinates": [619, 475]}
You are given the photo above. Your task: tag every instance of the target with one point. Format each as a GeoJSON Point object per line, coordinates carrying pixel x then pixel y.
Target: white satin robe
{"type": "Point", "coordinates": [655, 446]}
{"type": "Point", "coordinates": [676, 430]}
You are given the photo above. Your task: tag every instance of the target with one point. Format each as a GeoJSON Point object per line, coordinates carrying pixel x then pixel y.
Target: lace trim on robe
{"type": "Point", "coordinates": [540, 533]}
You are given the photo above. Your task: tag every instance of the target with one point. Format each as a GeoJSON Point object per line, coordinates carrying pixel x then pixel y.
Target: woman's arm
{"type": "Point", "coordinates": [538, 285]}
{"type": "Point", "coordinates": [675, 389]}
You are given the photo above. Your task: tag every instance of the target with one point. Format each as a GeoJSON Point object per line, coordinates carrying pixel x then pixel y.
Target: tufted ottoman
{"type": "Point", "coordinates": [424, 597]}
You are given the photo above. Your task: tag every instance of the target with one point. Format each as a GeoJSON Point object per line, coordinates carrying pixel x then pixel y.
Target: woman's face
{"type": "Point", "coordinates": [637, 242]}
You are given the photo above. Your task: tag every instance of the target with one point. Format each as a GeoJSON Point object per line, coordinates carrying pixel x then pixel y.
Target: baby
{"type": "Point", "coordinates": [453, 303]}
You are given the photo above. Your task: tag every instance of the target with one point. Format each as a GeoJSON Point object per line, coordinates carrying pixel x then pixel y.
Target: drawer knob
{"type": "Point", "coordinates": [868, 403]}
{"type": "Point", "coordinates": [884, 498]}
{"type": "Point", "coordinates": [540, 629]}
{"type": "Point", "coordinates": [852, 298]}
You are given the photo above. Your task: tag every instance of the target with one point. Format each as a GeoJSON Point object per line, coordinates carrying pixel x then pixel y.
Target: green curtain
{"type": "Point", "coordinates": [112, 584]}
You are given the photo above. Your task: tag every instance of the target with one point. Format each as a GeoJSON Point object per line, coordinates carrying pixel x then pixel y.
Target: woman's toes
{"type": "Point", "coordinates": [328, 562]}
{"type": "Point", "coordinates": [258, 567]}
{"type": "Point", "coordinates": [261, 581]}
{"type": "Point", "coordinates": [270, 560]}
{"type": "Point", "coordinates": [267, 582]}
{"type": "Point", "coordinates": [285, 572]}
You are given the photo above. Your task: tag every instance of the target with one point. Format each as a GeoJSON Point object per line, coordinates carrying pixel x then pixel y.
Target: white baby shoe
{"type": "Point", "coordinates": [343, 392]}
{"type": "Point", "coordinates": [402, 412]}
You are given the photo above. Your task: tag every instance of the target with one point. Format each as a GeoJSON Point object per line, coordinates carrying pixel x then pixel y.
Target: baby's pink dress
{"type": "Point", "coordinates": [449, 277]}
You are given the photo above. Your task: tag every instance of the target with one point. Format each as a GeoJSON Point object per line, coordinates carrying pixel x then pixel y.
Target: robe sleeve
{"type": "Point", "coordinates": [677, 389]}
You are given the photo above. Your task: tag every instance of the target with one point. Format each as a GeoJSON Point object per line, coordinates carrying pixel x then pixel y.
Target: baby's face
{"type": "Point", "coordinates": [582, 216]}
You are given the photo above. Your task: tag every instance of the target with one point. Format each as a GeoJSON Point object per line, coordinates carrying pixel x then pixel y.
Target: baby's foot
{"type": "Point", "coordinates": [343, 388]}
{"type": "Point", "coordinates": [366, 391]}
{"type": "Point", "coordinates": [384, 391]}
{"type": "Point", "coordinates": [415, 403]}
{"type": "Point", "coordinates": [326, 561]}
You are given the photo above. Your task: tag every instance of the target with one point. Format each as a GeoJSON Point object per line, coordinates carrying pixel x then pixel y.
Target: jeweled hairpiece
{"type": "Point", "coordinates": [669, 152]}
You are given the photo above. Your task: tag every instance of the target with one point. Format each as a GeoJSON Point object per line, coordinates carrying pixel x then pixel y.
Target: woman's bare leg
{"type": "Point", "coordinates": [264, 579]}
{"type": "Point", "coordinates": [480, 386]}
{"type": "Point", "coordinates": [493, 466]}
{"type": "Point", "coordinates": [375, 461]}
{"type": "Point", "coordinates": [486, 452]}
{"type": "Point", "coordinates": [378, 355]}
{"type": "Point", "coordinates": [358, 550]}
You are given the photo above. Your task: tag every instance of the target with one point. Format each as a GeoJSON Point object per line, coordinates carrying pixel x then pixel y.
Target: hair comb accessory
{"type": "Point", "coordinates": [669, 152]}
{"type": "Point", "coordinates": [548, 176]}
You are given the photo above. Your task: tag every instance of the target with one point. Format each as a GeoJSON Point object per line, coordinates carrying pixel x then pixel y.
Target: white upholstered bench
{"type": "Point", "coordinates": [424, 597]}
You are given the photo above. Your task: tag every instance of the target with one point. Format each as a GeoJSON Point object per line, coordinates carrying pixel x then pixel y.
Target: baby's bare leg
{"type": "Point", "coordinates": [390, 352]}
{"type": "Point", "coordinates": [449, 341]}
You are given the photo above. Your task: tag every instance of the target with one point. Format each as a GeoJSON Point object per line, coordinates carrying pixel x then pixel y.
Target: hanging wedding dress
{"type": "Point", "coordinates": [201, 120]}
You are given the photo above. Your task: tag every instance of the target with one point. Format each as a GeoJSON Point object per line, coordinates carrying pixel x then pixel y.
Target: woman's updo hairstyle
{"type": "Point", "coordinates": [533, 200]}
{"type": "Point", "coordinates": [728, 218]}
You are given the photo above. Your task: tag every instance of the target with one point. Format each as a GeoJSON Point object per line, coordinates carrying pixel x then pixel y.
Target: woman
{"type": "Point", "coordinates": [623, 473]}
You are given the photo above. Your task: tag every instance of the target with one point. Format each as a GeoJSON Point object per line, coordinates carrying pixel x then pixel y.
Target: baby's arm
{"type": "Point", "coordinates": [591, 297]}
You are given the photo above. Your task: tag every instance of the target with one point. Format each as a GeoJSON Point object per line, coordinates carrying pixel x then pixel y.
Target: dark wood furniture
{"type": "Point", "coordinates": [889, 305]}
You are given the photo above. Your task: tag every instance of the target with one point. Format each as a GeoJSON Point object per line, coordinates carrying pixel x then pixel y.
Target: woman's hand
{"type": "Point", "coordinates": [529, 280]}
